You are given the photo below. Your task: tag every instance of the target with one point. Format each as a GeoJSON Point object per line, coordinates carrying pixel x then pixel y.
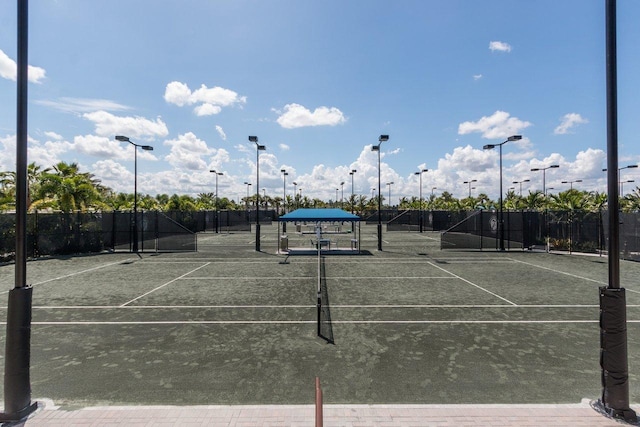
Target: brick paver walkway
{"type": "Point", "coordinates": [580, 414]}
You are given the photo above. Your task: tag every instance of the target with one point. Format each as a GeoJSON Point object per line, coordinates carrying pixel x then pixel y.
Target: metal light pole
{"type": "Point", "coordinates": [544, 193]}
{"type": "Point", "coordinates": [520, 182]}
{"type": "Point", "coordinates": [353, 200]}
{"type": "Point", "coordinates": [17, 382]}
{"type": "Point", "coordinates": [500, 213]}
{"type": "Point", "coordinates": [259, 148]}
{"type": "Point", "coordinates": [246, 203]}
{"type": "Point", "coordinates": [571, 183]}
{"type": "Point", "coordinates": [620, 169]}
{"type": "Point", "coordinates": [342, 195]}
{"type": "Point", "coordinates": [284, 190]}
{"type": "Point", "coordinates": [544, 175]}
{"type": "Point", "coordinates": [469, 182]}
{"type": "Point", "coordinates": [381, 139]}
{"type": "Point", "coordinates": [284, 197]}
{"type": "Point", "coordinates": [420, 207]}
{"type": "Point", "coordinates": [217, 174]}
{"type": "Point", "coordinates": [295, 194]}
{"type": "Point", "coordinates": [336, 201]}
{"type": "Point", "coordinates": [135, 185]}
{"type": "Point", "coordinates": [622, 186]}
{"type": "Point", "coordinates": [613, 321]}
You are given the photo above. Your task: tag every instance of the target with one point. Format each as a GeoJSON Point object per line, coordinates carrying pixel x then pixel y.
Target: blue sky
{"type": "Point", "coordinates": [318, 82]}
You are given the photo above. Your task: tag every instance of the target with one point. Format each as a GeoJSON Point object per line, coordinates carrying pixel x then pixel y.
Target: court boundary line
{"type": "Point", "coordinates": [280, 306]}
{"type": "Point", "coordinates": [77, 272]}
{"type": "Point", "coordinates": [166, 284]}
{"type": "Point", "coordinates": [313, 277]}
{"type": "Point", "coordinates": [307, 322]}
{"type": "Point", "coordinates": [575, 276]}
{"type": "Point", "coordinates": [473, 284]}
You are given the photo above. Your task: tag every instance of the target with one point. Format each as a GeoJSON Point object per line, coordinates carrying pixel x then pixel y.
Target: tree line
{"type": "Point", "coordinates": [63, 187]}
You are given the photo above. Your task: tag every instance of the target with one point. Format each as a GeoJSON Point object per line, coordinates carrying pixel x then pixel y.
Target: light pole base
{"type": "Point", "coordinates": [379, 237]}
{"type": "Point", "coordinates": [17, 383]}
{"type": "Point", "coordinates": [19, 415]}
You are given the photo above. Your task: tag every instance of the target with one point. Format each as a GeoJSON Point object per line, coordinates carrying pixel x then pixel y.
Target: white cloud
{"type": "Point", "coordinates": [187, 152]}
{"type": "Point", "coordinates": [211, 100]}
{"type": "Point", "coordinates": [477, 76]}
{"type": "Point", "coordinates": [499, 46]}
{"type": "Point", "coordinates": [218, 159]}
{"type": "Point", "coordinates": [107, 148]}
{"type": "Point", "coordinates": [177, 93]}
{"type": "Point", "coordinates": [9, 70]}
{"type": "Point", "coordinates": [569, 121]}
{"type": "Point", "coordinates": [82, 105]}
{"type": "Point", "coordinates": [53, 136]}
{"type": "Point", "coordinates": [134, 127]}
{"type": "Point", "coordinates": [296, 116]}
{"type": "Point", "coordinates": [207, 110]}
{"type": "Point", "coordinates": [114, 175]}
{"type": "Point", "coordinates": [498, 125]}
{"type": "Point", "coordinates": [46, 154]}
{"type": "Point", "coordinates": [221, 132]}
{"type": "Point", "coordinates": [284, 147]}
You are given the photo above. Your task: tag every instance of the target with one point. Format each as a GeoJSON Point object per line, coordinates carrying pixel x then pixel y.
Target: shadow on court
{"type": "Point", "coordinates": [229, 325]}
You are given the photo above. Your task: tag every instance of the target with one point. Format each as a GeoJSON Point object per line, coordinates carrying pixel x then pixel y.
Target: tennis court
{"type": "Point", "coordinates": [411, 324]}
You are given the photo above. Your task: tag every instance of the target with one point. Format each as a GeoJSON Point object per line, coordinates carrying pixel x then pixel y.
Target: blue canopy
{"type": "Point", "coordinates": [319, 215]}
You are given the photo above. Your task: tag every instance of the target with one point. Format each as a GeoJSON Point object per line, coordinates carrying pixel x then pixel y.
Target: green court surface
{"type": "Point", "coordinates": [229, 325]}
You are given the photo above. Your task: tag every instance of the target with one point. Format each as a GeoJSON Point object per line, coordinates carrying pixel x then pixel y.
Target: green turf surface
{"type": "Point", "coordinates": [229, 325]}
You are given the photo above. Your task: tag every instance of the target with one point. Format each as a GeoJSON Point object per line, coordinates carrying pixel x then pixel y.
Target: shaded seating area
{"type": "Point", "coordinates": [304, 230]}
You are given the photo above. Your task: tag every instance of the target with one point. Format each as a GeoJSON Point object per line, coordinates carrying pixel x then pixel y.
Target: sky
{"type": "Point", "coordinates": [318, 82]}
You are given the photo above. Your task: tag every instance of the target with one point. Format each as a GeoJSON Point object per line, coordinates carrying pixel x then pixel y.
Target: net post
{"type": "Point", "coordinates": [319, 313]}
{"type": "Point", "coordinates": [319, 420]}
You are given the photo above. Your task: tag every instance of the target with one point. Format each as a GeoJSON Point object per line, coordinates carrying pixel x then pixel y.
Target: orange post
{"type": "Point", "coordinates": [318, 403]}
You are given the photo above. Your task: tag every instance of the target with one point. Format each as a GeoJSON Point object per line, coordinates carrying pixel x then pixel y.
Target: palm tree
{"type": "Point", "coordinates": [180, 203]}
{"type": "Point", "coordinates": [534, 201]}
{"type": "Point", "coordinates": [512, 201]}
{"type": "Point", "coordinates": [206, 201]}
{"type": "Point", "coordinates": [67, 189]}
{"type": "Point", "coordinates": [8, 186]}
{"type": "Point", "coordinates": [631, 202]}
{"type": "Point", "coordinates": [119, 202]}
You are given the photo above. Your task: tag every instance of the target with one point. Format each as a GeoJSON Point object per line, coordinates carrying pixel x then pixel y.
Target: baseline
{"type": "Point", "coordinates": [306, 322]}
{"type": "Point", "coordinates": [78, 272]}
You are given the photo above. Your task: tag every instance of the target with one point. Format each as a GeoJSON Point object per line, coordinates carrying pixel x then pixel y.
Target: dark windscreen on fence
{"type": "Point", "coordinates": [481, 230]}
{"type": "Point", "coordinates": [172, 236]}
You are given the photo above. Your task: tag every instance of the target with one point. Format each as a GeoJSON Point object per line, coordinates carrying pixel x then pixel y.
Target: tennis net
{"type": "Point", "coordinates": [325, 329]}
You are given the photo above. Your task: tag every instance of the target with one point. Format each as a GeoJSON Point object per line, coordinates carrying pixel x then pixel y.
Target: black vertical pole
{"type": "Point", "coordinates": [501, 213]}
{"type": "Point", "coordinates": [613, 316]}
{"type": "Point", "coordinates": [257, 197]}
{"type": "Point", "coordinates": [135, 198]}
{"type": "Point", "coordinates": [17, 383]}
{"type": "Point", "coordinates": [379, 204]}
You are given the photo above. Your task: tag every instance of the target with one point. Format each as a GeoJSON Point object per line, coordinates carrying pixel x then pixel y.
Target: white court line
{"type": "Point", "coordinates": [78, 272]}
{"type": "Point", "coordinates": [364, 306]}
{"type": "Point", "coordinates": [245, 278]}
{"type": "Point", "coordinates": [473, 284]}
{"type": "Point", "coordinates": [147, 307]}
{"type": "Point", "coordinates": [162, 286]}
{"type": "Point", "coordinates": [560, 272]}
{"type": "Point", "coordinates": [313, 277]}
{"type": "Point", "coordinates": [306, 322]}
